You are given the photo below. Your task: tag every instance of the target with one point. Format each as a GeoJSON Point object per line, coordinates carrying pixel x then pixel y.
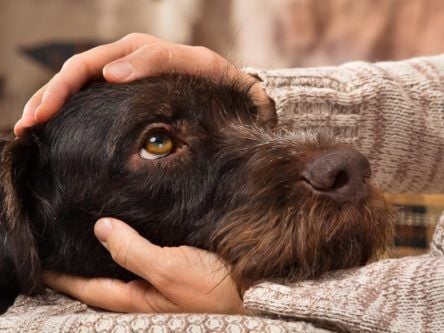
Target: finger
{"type": "Point", "coordinates": [73, 75]}
{"type": "Point", "coordinates": [81, 68]}
{"type": "Point", "coordinates": [27, 119]}
{"type": "Point", "coordinates": [110, 294]}
{"type": "Point", "coordinates": [156, 58]}
{"type": "Point", "coordinates": [132, 251]}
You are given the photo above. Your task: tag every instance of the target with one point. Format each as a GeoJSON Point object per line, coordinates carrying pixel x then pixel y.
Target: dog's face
{"type": "Point", "coordinates": [185, 161]}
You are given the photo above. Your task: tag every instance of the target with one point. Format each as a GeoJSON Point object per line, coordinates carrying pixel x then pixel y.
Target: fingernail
{"type": "Point", "coordinates": [121, 70]}
{"type": "Point", "coordinates": [103, 229]}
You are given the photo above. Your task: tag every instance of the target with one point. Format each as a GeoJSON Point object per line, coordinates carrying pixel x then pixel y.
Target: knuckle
{"type": "Point", "coordinates": [163, 281]}
{"type": "Point", "coordinates": [72, 61]}
{"type": "Point", "coordinates": [131, 36]}
{"type": "Point", "coordinates": [80, 61]}
{"type": "Point", "coordinates": [135, 37]}
{"type": "Point", "coordinates": [166, 274]}
{"type": "Point", "coordinates": [36, 97]}
{"type": "Point", "coordinates": [59, 83]}
{"type": "Point", "coordinates": [153, 54]}
{"type": "Point", "coordinates": [208, 56]}
{"type": "Point", "coordinates": [206, 53]}
{"type": "Point", "coordinates": [159, 51]}
{"type": "Point", "coordinates": [201, 49]}
{"type": "Point", "coordinates": [120, 253]}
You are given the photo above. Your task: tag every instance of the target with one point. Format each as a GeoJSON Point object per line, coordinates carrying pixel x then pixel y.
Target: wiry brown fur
{"type": "Point", "coordinates": [233, 184]}
{"type": "Point", "coordinates": [298, 246]}
{"type": "Point", "coordinates": [288, 233]}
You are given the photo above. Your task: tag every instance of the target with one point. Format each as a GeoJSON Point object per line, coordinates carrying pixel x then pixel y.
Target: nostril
{"type": "Point", "coordinates": [325, 179]}
{"type": "Point", "coordinates": [341, 180]}
{"type": "Point", "coordinates": [340, 174]}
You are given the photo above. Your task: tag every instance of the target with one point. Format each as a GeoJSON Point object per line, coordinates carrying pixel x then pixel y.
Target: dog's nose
{"type": "Point", "coordinates": [341, 174]}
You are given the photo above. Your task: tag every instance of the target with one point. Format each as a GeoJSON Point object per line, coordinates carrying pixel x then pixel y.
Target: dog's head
{"type": "Point", "coordinates": [186, 161]}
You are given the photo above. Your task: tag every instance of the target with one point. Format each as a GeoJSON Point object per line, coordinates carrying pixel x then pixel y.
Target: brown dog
{"type": "Point", "coordinates": [184, 161]}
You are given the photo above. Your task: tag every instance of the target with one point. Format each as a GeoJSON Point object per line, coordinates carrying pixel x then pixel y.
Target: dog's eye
{"type": "Point", "coordinates": [156, 145]}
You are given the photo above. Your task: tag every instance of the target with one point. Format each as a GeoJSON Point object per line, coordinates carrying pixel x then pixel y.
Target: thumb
{"type": "Point", "coordinates": [129, 249]}
{"type": "Point", "coordinates": [157, 58]}
{"type": "Point", "coordinates": [150, 59]}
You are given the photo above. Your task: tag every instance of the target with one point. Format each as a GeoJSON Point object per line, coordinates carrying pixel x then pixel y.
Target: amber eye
{"type": "Point", "coordinates": [157, 145]}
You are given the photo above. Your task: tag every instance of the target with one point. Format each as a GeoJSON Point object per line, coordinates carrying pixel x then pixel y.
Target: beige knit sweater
{"type": "Point", "coordinates": [392, 112]}
{"type": "Point", "coordinates": [395, 295]}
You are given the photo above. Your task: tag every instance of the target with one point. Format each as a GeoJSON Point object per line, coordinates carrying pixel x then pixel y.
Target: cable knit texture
{"type": "Point", "coordinates": [55, 313]}
{"type": "Point", "coordinates": [392, 112]}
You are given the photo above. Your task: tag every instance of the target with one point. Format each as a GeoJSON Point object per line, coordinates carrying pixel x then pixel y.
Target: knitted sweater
{"type": "Point", "coordinates": [395, 295]}
{"type": "Point", "coordinates": [393, 113]}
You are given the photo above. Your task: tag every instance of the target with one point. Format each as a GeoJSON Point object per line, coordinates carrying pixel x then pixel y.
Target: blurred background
{"type": "Point", "coordinates": [37, 36]}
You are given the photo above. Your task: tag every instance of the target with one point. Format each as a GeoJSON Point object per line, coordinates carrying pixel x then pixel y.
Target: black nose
{"type": "Point", "coordinates": [341, 174]}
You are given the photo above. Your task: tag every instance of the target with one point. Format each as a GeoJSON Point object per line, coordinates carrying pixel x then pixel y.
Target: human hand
{"type": "Point", "coordinates": [175, 279]}
{"type": "Point", "coordinates": [133, 57]}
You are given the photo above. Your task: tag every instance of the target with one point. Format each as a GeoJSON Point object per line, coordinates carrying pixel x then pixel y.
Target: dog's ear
{"type": "Point", "coordinates": [18, 247]}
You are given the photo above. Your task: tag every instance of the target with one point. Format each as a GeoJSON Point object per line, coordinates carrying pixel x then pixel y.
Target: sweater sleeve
{"type": "Point", "coordinates": [393, 112]}
{"type": "Point", "coordinates": [395, 295]}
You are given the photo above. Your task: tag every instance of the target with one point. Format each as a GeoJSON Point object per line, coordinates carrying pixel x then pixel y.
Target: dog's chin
{"type": "Point", "coordinates": [290, 243]}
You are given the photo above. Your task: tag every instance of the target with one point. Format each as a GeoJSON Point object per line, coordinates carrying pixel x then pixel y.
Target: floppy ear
{"type": "Point", "coordinates": [19, 258]}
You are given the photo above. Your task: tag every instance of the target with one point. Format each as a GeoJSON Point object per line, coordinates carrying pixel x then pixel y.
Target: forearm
{"type": "Point", "coordinates": [403, 295]}
{"type": "Point", "coordinates": [388, 296]}
{"type": "Point", "coordinates": [392, 112]}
